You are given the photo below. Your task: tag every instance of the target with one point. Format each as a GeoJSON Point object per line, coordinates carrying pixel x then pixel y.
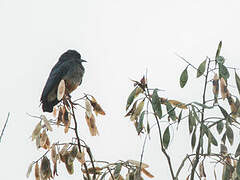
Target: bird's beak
{"type": "Point", "coordinates": [82, 60]}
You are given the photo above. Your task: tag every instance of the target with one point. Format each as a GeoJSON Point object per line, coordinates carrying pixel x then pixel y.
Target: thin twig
{"type": "Point", "coordinates": [4, 127]}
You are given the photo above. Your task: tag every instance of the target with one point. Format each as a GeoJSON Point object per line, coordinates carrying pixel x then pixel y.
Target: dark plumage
{"type": "Point", "coordinates": [69, 68]}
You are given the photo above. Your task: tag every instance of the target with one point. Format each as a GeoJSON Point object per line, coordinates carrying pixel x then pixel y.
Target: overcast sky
{"type": "Point", "coordinates": [120, 40]}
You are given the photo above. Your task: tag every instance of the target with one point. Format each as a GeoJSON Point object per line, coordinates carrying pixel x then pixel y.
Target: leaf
{"type": "Point", "coordinates": [203, 105]}
{"type": "Point", "coordinates": [238, 168]}
{"type": "Point", "coordinates": [223, 72]}
{"type": "Point", "coordinates": [223, 150]}
{"type": "Point", "coordinates": [177, 104]}
{"type": "Point", "coordinates": [171, 111]}
{"type": "Point", "coordinates": [156, 104]}
{"type": "Point", "coordinates": [237, 153]}
{"type": "Point", "coordinates": [219, 127]}
{"type": "Point", "coordinates": [225, 114]}
{"type": "Point", "coordinates": [215, 88]}
{"type": "Point", "coordinates": [66, 120]}
{"type": "Point", "coordinates": [195, 114]}
{"type": "Point", "coordinates": [29, 169]}
{"type": "Point", "coordinates": [37, 173]}
{"type": "Point", "coordinates": [218, 50]}
{"type": "Point", "coordinates": [220, 60]}
{"type": "Point", "coordinates": [223, 87]}
{"type": "Point", "coordinates": [237, 82]}
{"type": "Point", "coordinates": [137, 163]}
{"type": "Point", "coordinates": [81, 157]}
{"type": "Point", "coordinates": [46, 122]}
{"type": "Point", "coordinates": [201, 68]}
{"type": "Point", "coordinates": [36, 131]}
{"type": "Point", "coordinates": [183, 78]}
{"type": "Point", "coordinates": [88, 108]}
{"type": "Point", "coordinates": [117, 170]}
{"type": "Point", "coordinates": [96, 107]}
{"type": "Point", "coordinates": [229, 133]}
{"type": "Point", "coordinates": [132, 96]}
{"type": "Point", "coordinates": [91, 122]}
{"type": "Point", "coordinates": [148, 128]}
{"type": "Point", "coordinates": [64, 148]}
{"type": "Point", "coordinates": [224, 138]}
{"type": "Point", "coordinates": [45, 169]}
{"type": "Point", "coordinates": [191, 121]}
{"type": "Point", "coordinates": [54, 154]}
{"type": "Point", "coordinates": [193, 139]}
{"type": "Point", "coordinates": [140, 123]}
{"type": "Point", "coordinates": [148, 174]}
{"type": "Point", "coordinates": [138, 109]}
{"type": "Point", "coordinates": [180, 117]}
{"type": "Point", "coordinates": [166, 137]}
{"type": "Point", "coordinates": [103, 176]}
{"type": "Point", "coordinates": [212, 138]}
{"type": "Point", "coordinates": [61, 90]}
{"type": "Point", "coordinates": [226, 172]}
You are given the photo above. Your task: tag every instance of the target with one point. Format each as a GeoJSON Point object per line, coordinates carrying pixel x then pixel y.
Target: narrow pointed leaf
{"type": "Point", "coordinates": [219, 127]}
{"type": "Point", "coordinates": [212, 138]}
{"type": "Point", "coordinates": [218, 50]}
{"type": "Point", "coordinates": [237, 153]}
{"type": "Point", "coordinates": [191, 122]}
{"type": "Point", "coordinates": [156, 104]}
{"type": "Point", "coordinates": [140, 123]}
{"type": "Point", "coordinates": [225, 114]}
{"type": "Point", "coordinates": [131, 98]}
{"type": "Point", "coordinates": [180, 117]}
{"type": "Point", "coordinates": [229, 133]}
{"type": "Point", "coordinates": [201, 68]}
{"type": "Point", "coordinates": [166, 137]}
{"type": "Point", "coordinates": [237, 82]}
{"type": "Point", "coordinates": [193, 139]}
{"type": "Point", "coordinates": [171, 111]}
{"type": "Point", "coordinates": [203, 105]}
{"type": "Point", "coordinates": [183, 78]}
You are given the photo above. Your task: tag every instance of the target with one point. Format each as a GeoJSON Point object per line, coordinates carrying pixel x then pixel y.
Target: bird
{"type": "Point", "coordinates": [68, 68]}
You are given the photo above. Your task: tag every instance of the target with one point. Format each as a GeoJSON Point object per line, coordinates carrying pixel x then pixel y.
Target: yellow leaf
{"type": "Point", "coordinates": [139, 108]}
{"type": "Point", "coordinates": [177, 104]}
{"type": "Point", "coordinates": [88, 108]}
{"type": "Point", "coordinates": [61, 90]}
{"type": "Point", "coordinates": [148, 174]}
{"type": "Point", "coordinates": [29, 169]}
{"type": "Point", "coordinates": [37, 174]}
{"type": "Point", "coordinates": [36, 131]}
{"type": "Point", "coordinates": [46, 122]}
{"type": "Point", "coordinates": [38, 141]}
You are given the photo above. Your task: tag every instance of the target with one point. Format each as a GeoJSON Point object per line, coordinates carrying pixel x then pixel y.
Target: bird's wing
{"type": "Point", "coordinates": [56, 75]}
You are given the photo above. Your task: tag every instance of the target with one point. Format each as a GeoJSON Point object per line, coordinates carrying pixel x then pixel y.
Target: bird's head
{"type": "Point", "coordinates": [71, 54]}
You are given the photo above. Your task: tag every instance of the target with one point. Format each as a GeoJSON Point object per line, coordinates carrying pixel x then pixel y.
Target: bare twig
{"type": "Point", "coordinates": [4, 127]}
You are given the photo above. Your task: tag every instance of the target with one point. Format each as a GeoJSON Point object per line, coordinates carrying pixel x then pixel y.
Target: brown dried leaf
{"type": "Point", "coordinates": [138, 109]}
{"type": "Point", "coordinates": [38, 141]}
{"type": "Point", "coordinates": [54, 154]}
{"type": "Point", "coordinates": [37, 173]}
{"type": "Point", "coordinates": [66, 121]}
{"type": "Point", "coordinates": [91, 170]}
{"type": "Point", "coordinates": [148, 174]}
{"type": "Point", "coordinates": [88, 108]}
{"type": "Point", "coordinates": [201, 170]}
{"type": "Point", "coordinates": [64, 149]}
{"type": "Point", "coordinates": [60, 115]}
{"type": "Point", "coordinates": [74, 151]}
{"type": "Point", "coordinates": [81, 157]}
{"type": "Point", "coordinates": [47, 144]}
{"type": "Point", "coordinates": [223, 87]}
{"type": "Point", "coordinates": [54, 111]}
{"type": "Point", "coordinates": [96, 107]}
{"type": "Point", "coordinates": [178, 104]}
{"type": "Point", "coordinates": [91, 125]}
{"type": "Point", "coordinates": [45, 169]}
{"type": "Point", "coordinates": [137, 163]}
{"type": "Point", "coordinates": [36, 131]}
{"type": "Point", "coordinates": [69, 167]}
{"type": "Point", "coordinates": [61, 90]}
{"type": "Point", "coordinates": [43, 138]}
{"type": "Point", "coordinates": [215, 88]}
{"type": "Point", "coordinates": [46, 122]}
{"type": "Point", "coordinates": [29, 169]}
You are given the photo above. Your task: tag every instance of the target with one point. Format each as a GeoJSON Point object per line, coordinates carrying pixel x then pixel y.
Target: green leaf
{"type": "Point", "coordinates": [166, 137]}
{"type": "Point", "coordinates": [218, 50]}
{"type": "Point", "coordinates": [131, 98]}
{"type": "Point", "coordinates": [220, 60]}
{"type": "Point", "coordinates": [180, 116]}
{"type": "Point", "coordinates": [191, 121]}
{"type": "Point", "coordinates": [225, 114]}
{"type": "Point", "coordinates": [212, 138]}
{"type": "Point", "coordinates": [195, 114]}
{"type": "Point", "coordinates": [183, 78]}
{"type": "Point", "coordinates": [193, 140]}
{"type": "Point", "coordinates": [117, 170]}
{"type": "Point", "coordinates": [201, 68]}
{"type": "Point", "coordinates": [226, 172]}
{"type": "Point", "coordinates": [148, 128]}
{"type": "Point", "coordinates": [171, 111]}
{"type": "Point", "coordinates": [224, 138]}
{"type": "Point", "coordinates": [103, 176]}
{"type": "Point", "coordinates": [209, 146]}
{"type": "Point", "coordinates": [237, 82]}
{"type": "Point", "coordinates": [205, 129]}
{"type": "Point", "coordinates": [237, 153]}
{"type": "Point", "coordinates": [238, 168]}
{"type": "Point", "coordinates": [140, 123]}
{"type": "Point", "coordinates": [156, 104]}
{"type": "Point", "coordinates": [219, 127]}
{"type": "Point", "coordinates": [203, 105]}
{"type": "Point", "coordinates": [229, 133]}
{"type": "Point", "coordinates": [223, 72]}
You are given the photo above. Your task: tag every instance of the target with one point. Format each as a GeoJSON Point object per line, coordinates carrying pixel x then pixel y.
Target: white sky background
{"type": "Point", "coordinates": [120, 40]}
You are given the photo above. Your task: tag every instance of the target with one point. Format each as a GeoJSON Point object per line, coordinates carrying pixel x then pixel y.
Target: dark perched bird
{"type": "Point", "coordinates": [68, 68]}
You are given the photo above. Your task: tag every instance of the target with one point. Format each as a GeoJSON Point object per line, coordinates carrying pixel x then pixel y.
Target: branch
{"type": "Point", "coordinates": [4, 126]}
